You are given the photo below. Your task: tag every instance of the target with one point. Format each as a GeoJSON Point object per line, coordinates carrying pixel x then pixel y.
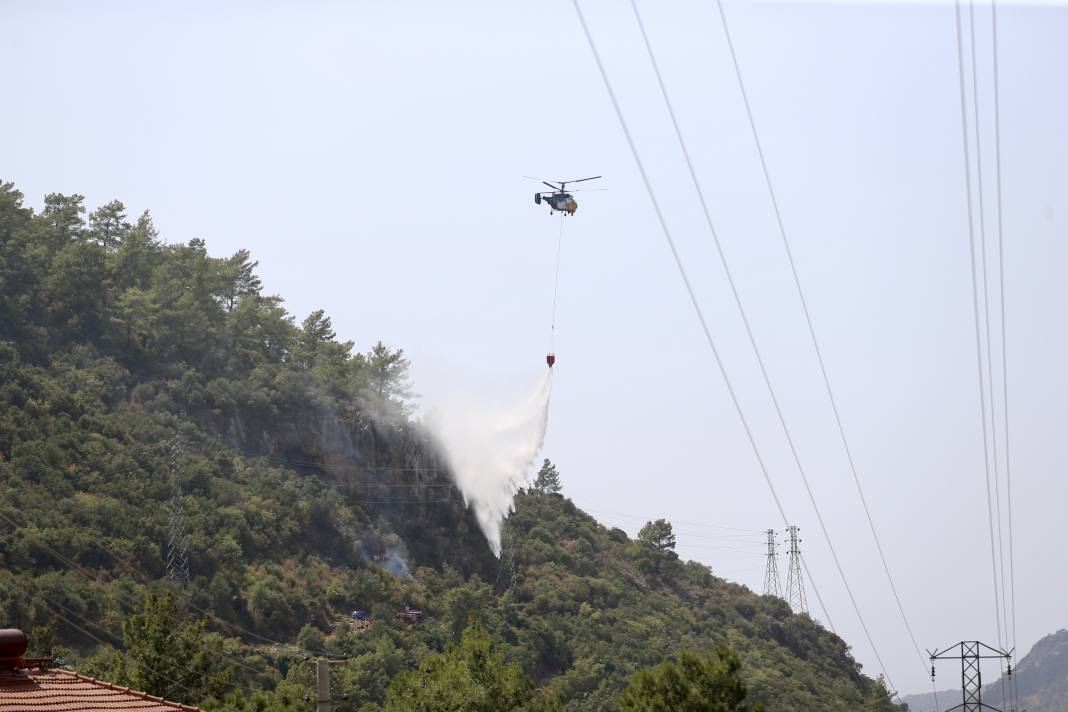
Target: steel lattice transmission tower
{"type": "Point", "coordinates": [177, 547]}
{"type": "Point", "coordinates": [771, 573]}
{"type": "Point", "coordinates": [971, 653]}
{"type": "Point", "coordinates": [795, 585]}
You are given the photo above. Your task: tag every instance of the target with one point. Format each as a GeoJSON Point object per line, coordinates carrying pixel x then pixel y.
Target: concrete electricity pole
{"type": "Point", "coordinates": [322, 686]}
{"type": "Point", "coordinates": [323, 701]}
{"type": "Point", "coordinates": [771, 574]}
{"type": "Point", "coordinates": [795, 586]}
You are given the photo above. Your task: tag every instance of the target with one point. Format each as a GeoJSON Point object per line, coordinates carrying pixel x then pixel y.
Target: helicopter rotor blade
{"type": "Point", "coordinates": [582, 179]}
{"type": "Point", "coordinates": [551, 185]}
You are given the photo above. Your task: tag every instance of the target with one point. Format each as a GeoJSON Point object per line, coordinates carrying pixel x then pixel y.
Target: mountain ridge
{"type": "Point", "coordinates": [129, 366]}
{"type": "Point", "coordinates": [1040, 679]}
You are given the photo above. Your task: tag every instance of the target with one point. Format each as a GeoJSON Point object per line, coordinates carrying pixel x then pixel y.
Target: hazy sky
{"type": "Point", "coordinates": [371, 156]}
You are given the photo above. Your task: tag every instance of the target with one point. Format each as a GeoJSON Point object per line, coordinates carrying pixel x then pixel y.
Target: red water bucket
{"type": "Point", "coordinates": [550, 359]}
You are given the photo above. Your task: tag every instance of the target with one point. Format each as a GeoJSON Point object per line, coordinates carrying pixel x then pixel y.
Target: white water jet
{"type": "Point", "coordinates": [491, 449]}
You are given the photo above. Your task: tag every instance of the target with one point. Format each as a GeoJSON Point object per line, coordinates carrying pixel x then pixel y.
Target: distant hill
{"type": "Point", "coordinates": [136, 375]}
{"type": "Point", "coordinates": [925, 702]}
{"type": "Point", "coordinates": [1041, 680]}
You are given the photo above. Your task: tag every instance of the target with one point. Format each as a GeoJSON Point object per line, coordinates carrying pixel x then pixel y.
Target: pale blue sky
{"type": "Point", "coordinates": [370, 156]}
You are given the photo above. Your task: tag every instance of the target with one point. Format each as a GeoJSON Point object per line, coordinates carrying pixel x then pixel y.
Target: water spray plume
{"type": "Point", "coordinates": [491, 449]}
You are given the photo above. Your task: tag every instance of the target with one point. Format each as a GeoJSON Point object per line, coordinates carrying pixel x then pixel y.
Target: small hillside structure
{"type": "Point", "coordinates": [409, 615]}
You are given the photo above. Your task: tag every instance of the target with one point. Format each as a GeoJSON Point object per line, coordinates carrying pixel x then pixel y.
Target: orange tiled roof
{"type": "Point", "coordinates": [36, 689]}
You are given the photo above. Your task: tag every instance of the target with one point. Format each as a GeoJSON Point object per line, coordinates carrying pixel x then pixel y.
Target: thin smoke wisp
{"type": "Point", "coordinates": [491, 449]}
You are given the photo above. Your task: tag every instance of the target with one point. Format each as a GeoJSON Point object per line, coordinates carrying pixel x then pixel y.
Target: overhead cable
{"type": "Point", "coordinates": [737, 297]}
{"type": "Point", "coordinates": [689, 287]}
{"type": "Point", "coordinates": [986, 311]}
{"type": "Point", "coordinates": [143, 579]}
{"type": "Point", "coordinates": [1004, 339]}
{"type": "Point", "coordinates": [989, 334]}
{"type": "Point", "coordinates": [71, 565]}
{"type": "Point", "coordinates": [812, 331]}
{"type": "Point", "coordinates": [975, 304]}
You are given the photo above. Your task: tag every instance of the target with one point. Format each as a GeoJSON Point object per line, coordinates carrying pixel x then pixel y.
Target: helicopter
{"type": "Point", "coordinates": [558, 198]}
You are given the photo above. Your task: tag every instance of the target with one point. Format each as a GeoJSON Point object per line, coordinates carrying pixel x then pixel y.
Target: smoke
{"type": "Point", "coordinates": [491, 450]}
{"type": "Point", "coordinates": [394, 562]}
{"type": "Point", "coordinates": [385, 549]}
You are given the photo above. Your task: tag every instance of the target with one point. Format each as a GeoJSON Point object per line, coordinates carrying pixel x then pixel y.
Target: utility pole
{"type": "Point", "coordinates": [971, 653]}
{"type": "Point", "coordinates": [771, 573]}
{"type": "Point", "coordinates": [323, 701]}
{"type": "Point", "coordinates": [322, 686]}
{"type": "Point", "coordinates": [177, 552]}
{"type": "Point", "coordinates": [795, 586]}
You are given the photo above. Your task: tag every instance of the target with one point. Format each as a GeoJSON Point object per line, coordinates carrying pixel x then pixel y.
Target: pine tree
{"type": "Point", "coordinates": [108, 225]}
{"type": "Point", "coordinates": [470, 677]}
{"type": "Point", "coordinates": [659, 537]}
{"type": "Point", "coordinates": [63, 216]}
{"type": "Point", "coordinates": [243, 281]}
{"type": "Point", "coordinates": [167, 656]}
{"type": "Point", "coordinates": [548, 479]}
{"type": "Point", "coordinates": [692, 684]}
{"type": "Point", "coordinates": [388, 389]}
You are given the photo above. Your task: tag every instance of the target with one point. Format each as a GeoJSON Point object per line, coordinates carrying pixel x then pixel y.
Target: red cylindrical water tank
{"type": "Point", "coordinates": [550, 359]}
{"type": "Point", "coordinates": [12, 643]}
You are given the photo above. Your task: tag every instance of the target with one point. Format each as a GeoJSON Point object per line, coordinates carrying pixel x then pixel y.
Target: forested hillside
{"type": "Point", "coordinates": [137, 376]}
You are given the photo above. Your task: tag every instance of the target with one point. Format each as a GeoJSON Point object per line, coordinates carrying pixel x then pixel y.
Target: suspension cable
{"type": "Point", "coordinates": [686, 282]}
{"type": "Point", "coordinates": [1004, 340]}
{"type": "Point", "coordinates": [811, 328]}
{"type": "Point", "coordinates": [975, 304]}
{"type": "Point", "coordinates": [556, 280]}
{"type": "Point", "coordinates": [745, 318]}
{"type": "Point", "coordinates": [989, 335]}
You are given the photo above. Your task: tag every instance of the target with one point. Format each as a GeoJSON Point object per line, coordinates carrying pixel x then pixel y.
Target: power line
{"type": "Point", "coordinates": [986, 306]}
{"type": "Point", "coordinates": [38, 466]}
{"type": "Point", "coordinates": [1004, 336]}
{"type": "Point", "coordinates": [726, 539]}
{"type": "Point", "coordinates": [975, 304]}
{"type": "Point", "coordinates": [686, 280]}
{"type": "Point", "coordinates": [334, 487]}
{"type": "Point", "coordinates": [276, 459]}
{"type": "Point", "coordinates": [186, 688]}
{"type": "Point", "coordinates": [45, 602]}
{"type": "Point", "coordinates": [93, 577]}
{"type": "Point", "coordinates": [743, 553]}
{"type": "Point", "coordinates": [141, 578]}
{"type": "Point", "coordinates": [738, 300]}
{"type": "Point", "coordinates": [439, 500]}
{"type": "Point", "coordinates": [751, 532]}
{"type": "Point", "coordinates": [986, 318]}
{"type": "Point", "coordinates": [812, 330]}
